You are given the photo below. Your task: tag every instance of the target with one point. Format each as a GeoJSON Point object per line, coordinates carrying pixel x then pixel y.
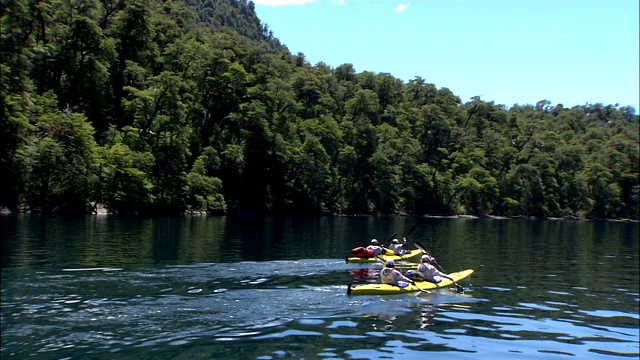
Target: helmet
{"type": "Point", "coordinates": [395, 241]}
{"type": "Point", "coordinates": [390, 263]}
{"type": "Point", "coordinates": [427, 258]}
{"type": "Point", "coordinates": [374, 242]}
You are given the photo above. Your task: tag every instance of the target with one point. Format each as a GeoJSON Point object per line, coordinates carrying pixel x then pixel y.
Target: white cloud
{"type": "Point", "coordinates": [281, 2]}
{"type": "Point", "coordinates": [401, 8]}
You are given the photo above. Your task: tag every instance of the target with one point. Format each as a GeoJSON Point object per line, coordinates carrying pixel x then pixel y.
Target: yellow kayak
{"type": "Point", "coordinates": [386, 289]}
{"type": "Point", "coordinates": [414, 255]}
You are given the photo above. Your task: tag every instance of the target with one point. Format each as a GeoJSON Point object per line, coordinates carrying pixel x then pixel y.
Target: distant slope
{"type": "Point", "coordinates": [238, 15]}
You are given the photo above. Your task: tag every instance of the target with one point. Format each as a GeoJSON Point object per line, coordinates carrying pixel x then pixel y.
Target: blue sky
{"type": "Point", "coordinates": [507, 51]}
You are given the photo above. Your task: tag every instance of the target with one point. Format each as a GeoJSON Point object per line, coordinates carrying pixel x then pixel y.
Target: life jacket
{"type": "Point", "coordinates": [387, 276]}
{"type": "Point", "coordinates": [362, 252]}
{"type": "Point", "coordinates": [397, 248]}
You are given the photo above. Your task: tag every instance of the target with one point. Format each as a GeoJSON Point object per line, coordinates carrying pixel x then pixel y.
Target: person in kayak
{"type": "Point", "coordinates": [389, 275]}
{"type": "Point", "coordinates": [375, 249]}
{"type": "Point", "coordinates": [428, 272]}
{"type": "Point", "coordinates": [397, 247]}
{"type": "Point", "coordinates": [372, 251]}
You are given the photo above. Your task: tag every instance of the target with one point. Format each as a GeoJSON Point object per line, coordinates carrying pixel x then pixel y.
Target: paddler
{"type": "Point", "coordinates": [427, 271]}
{"type": "Point", "coordinates": [397, 247]}
{"type": "Point", "coordinates": [389, 275]}
{"type": "Point", "coordinates": [375, 249]}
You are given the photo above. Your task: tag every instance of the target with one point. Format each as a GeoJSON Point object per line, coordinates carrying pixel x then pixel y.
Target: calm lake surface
{"type": "Point", "coordinates": [254, 287]}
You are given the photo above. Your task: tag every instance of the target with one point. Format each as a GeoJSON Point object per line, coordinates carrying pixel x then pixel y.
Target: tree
{"type": "Point", "coordinates": [159, 109]}
{"type": "Point", "coordinates": [126, 187]}
{"type": "Point", "coordinates": [204, 192]}
{"type": "Point", "coordinates": [16, 55]}
{"type": "Point", "coordinates": [386, 170]}
{"type": "Point", "coordinates": [311, 178]}
{"type": "Point", "coordinates": [604, 193]}
{"type": "Point", "coordinates": [196, 106]}
{"type": "Point", "coordinates": [524, 187]}
{"type": "Point", "coordinates": [478, 191]}
{"type": "Point", "coordinates": [59, 160]}
{"type": "Point", "coordinates": [363, 105]}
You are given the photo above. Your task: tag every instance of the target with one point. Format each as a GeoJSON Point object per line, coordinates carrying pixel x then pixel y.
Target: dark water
{"type": "Point", "coordinates": [103, 287]}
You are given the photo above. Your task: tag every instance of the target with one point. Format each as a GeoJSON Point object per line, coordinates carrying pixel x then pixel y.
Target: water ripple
{"type": "Point", "coordinates": [177, 308]}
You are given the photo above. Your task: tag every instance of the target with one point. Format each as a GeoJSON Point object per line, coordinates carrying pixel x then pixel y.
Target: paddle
{"type": "Point", "coordinates": [392, 237]}
{"type": "Point", "coordinates": [420, 246]}
{"type": "Point", "coordinates": [423, 290]}
{"type": "Point", "coordinates": [413, 227]}
{"type": "Point", "coordinates": [389, 241]}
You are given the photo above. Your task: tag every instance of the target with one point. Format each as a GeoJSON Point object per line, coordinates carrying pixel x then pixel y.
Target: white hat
{"type": "Point", "coordinates": [374, 242]}
{"type": "Point", "coordinates": [395, 241]}
{"type": "Point", "coordinates": [427, 258]}
{"type": "Point", "coordinates": [390, 263]}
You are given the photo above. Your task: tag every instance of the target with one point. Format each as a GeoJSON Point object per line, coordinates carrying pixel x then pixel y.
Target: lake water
{"type": "Point", "coordinates": [253, 287]}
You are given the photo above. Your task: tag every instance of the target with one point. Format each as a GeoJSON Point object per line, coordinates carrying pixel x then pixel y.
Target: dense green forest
{"type": "Point", "coordinates": [164, 107]}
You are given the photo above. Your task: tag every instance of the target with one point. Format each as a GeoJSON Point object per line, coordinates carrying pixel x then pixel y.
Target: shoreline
{"type": "Point", "coordinates": [101, 210]}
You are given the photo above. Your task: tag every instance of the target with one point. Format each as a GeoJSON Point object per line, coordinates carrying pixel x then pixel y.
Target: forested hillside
{"type": "Point", "coordinates": [164, 107]}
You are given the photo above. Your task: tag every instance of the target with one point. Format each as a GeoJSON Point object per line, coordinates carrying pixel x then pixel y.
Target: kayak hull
{"type": "Point", "coordinates": [386, 289]}
{"type": "Point", "coordinates": [414, 255]}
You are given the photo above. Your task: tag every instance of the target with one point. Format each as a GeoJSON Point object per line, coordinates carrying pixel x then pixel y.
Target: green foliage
{"type": "Point", "coordinates": [479, 191]}
{"type": "Point", "coordinates": [59, 160]}
{"type": "Point", "coordinates": [196, 106]}
{"type": "Point", "coordinates": [125, 185]}
{"type": "Point", "coordinates": [204, 192]}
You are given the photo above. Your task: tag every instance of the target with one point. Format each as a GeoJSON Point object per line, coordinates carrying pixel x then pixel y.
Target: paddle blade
{"type": "Point", "coordinates": [420, 246]}
{"type": "Point", "coordinates": [411, 229]}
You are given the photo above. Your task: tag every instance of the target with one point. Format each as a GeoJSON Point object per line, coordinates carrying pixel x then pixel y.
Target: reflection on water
{"type": "Point", "coordinates": [125, 289]}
